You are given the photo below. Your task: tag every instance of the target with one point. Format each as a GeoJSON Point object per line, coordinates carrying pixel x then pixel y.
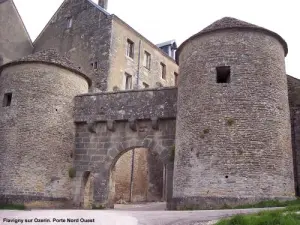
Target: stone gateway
{"type": "Point", "coordinates": [92, 114]}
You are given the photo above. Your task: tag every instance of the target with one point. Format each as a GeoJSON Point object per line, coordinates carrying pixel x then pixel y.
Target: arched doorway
{"type": "Point", "coordinates": [136, 176]}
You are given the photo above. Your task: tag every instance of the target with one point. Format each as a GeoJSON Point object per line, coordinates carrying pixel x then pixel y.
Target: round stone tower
{"type": "Point", "coordinates": [37, 130]}
{"type": "Point", "coordinates": [233, 140]}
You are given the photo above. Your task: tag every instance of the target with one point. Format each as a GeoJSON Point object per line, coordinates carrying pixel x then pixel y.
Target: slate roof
{"type": "Point", "coordinates": [49, 56]}
{"type": "Point", "coordinates": [232, 23]}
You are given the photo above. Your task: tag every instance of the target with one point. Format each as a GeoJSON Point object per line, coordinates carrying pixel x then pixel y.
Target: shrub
{"type": "Point", "coordinates": [230, 121]}
{"type": "Point", "coordinates": [172, 153]}
{"type": "Point", "coordinates": [72, 172]}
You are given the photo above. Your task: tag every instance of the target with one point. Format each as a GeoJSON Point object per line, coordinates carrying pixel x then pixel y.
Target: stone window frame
{"type": "Point", "coordinates": [147, 60]}
{"type": "Point", "coordinates": [163, 70]}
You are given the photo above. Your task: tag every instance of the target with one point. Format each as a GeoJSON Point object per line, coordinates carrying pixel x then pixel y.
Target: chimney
{"type": "Point", "coordinates": [103, 4]}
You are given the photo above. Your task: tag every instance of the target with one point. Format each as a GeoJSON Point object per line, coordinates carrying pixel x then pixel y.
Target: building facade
{"type": "Point", "coordinates": [93, 113]}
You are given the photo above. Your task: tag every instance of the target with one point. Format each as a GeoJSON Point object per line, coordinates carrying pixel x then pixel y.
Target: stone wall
{"type": "Point", "coordinates": [127, 105]}
{"type": "Point", "coordinates": [294, 102]}
{"type": "Point", "coordinates": [37, 132]}
{"type": "Point", "coordinates": [109, 124]}
{"type": "Point", "coordinates": [233, 140]}
{"type": "Point", "coordinates": [87, 41]}
{"type": "Point", "coordinates": [14, 39]}
{"type": "Point", "coordinates": [121, 64]}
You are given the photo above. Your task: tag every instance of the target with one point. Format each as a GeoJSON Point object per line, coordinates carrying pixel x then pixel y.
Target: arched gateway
{"type": "Point", "coordinates": [106, 134]}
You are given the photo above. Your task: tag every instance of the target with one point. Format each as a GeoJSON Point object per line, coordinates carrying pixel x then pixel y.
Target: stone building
{"type": "Point", "coordinates": [72, 134]}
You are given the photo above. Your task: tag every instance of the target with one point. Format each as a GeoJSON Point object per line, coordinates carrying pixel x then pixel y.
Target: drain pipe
{"type": "Point", "coordinates": [131, 176]}
{"type": "Point", "coordinates": [138, 67]}
{"type": "Point", "coordinates": [133, 150]}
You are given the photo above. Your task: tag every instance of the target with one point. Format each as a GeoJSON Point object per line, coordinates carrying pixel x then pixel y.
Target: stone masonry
{"type": "Point", "coordinates": [228, 134]}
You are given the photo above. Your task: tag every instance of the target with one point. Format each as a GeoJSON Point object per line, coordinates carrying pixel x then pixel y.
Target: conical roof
{"type": "Point", "coordinates": [49, 56]}
{"type": "Point", "coordinates": [232, 23]}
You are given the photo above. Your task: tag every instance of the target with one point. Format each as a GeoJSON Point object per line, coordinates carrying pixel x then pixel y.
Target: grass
{"type": "Point", "coordinates": [269, 203]}
{"type": "Point", "coordinates": [287, 216]}
{"type": "Point", "coordinates": [99, 207]}
{"type": "Point", "coordinates": [12, 206]}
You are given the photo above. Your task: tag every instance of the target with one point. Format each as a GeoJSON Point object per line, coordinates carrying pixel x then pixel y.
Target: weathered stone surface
{"type": "Point", "coordinates": [124, 105]}
{"type": "Point", "coordinates": [37, 132]}
{"type": "Point", "coordinates": [233, 131]}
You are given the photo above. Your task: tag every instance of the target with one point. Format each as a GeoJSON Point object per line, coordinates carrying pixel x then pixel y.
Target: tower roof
{"type": "Point", "coordinates": [232, 23]}
{"type": "Point", "coordinates": [49, 56]}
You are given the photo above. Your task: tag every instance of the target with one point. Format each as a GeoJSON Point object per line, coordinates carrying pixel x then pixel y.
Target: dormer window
{"type": "Point", "coordinates": [70, 22]}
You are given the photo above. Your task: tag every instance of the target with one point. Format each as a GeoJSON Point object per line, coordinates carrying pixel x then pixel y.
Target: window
{"type": "Point", "coordinates": [130, 48]}
{"type": "Point", "coordinates": [128, 81]}
{"type": "Point", "coordinates": [145, 85]}
{"type": "Point", "coordinates": [223, 74]}
{"type": "Point", "coordinates": [163, 71]}
{"type": "Point", "coordinates": [176, 78]}
{"type": "Point", "coordinates": [7, 99]}
{"type": "Point", "coordinates": [94, 65]}
{"type": "Point", "coordinates": [70, 23]}
{"type": "Point", "coordinates": [147, 60]}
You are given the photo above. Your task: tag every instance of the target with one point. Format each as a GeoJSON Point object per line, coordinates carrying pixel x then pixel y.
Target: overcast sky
{"type": "Point", "coordinates": [162, 20]}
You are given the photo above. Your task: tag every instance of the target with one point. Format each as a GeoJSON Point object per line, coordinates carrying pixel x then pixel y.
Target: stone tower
{"type": "Point", "coordinates": [233, 134]}
{"type": "Point", "coordinates": [37, 131]}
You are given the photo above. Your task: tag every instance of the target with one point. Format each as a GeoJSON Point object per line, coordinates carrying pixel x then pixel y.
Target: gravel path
{"type": "Point", "coordinates": [122, 215]}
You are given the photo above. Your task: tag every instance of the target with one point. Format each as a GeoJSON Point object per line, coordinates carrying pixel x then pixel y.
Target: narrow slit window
{"type": "Point", "coordinates": [7, 99]}
{"type": "Point", "coordinates": [96, 65]}
{"type": "Point", "coordinates": [70, 23]}
{"type": "Point", "coordinates": [223, 74]}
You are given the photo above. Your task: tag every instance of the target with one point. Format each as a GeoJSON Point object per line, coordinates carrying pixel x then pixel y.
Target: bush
{"type": "Point", "coordinates": [230, 121]}
{"type": "Point", "coordinates": [72, 172]}
{"type": "Point", "coordinates": [98, 207]}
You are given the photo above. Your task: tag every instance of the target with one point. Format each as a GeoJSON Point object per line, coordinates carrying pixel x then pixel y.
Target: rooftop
{"type": "Point", "coordinates": [232, 23]}
{"type": "Point", "coordinates": [49, 56]}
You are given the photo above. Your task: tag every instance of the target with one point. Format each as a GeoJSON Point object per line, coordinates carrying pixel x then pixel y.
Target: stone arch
{"type": "Point", "coordinates": [155, 154]}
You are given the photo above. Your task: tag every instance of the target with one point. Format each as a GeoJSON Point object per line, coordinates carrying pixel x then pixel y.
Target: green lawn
{"type": "Point", "coordinates": [287, 216]}
{"type": "Point", "coordinates": [12, 206]}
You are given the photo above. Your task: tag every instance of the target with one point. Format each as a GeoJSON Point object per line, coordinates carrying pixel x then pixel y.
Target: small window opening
{"type": "Point", "coordinates": [70, 23]}
{"type": "Point", "coordinates": [7, 99]}
{"type": "Point", "coordinates": [96, 65]}
{"type": "Point", "coordinates": [92, 65]}
{"type": "Point", "coordinates": [223, 74]}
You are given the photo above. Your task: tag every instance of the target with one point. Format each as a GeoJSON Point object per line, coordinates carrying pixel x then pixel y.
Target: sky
{"type": "Point", "coordinates": [163, 20]}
